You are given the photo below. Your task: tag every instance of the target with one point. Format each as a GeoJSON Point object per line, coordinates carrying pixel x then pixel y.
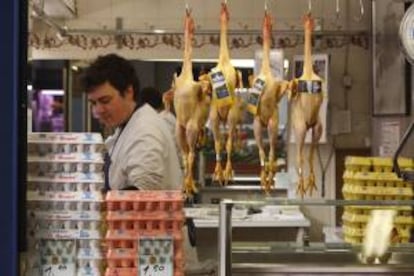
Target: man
{"type": "Point", "coordinates": [141, 152]}
{"type": "Point", "coordinates": [155, 99]}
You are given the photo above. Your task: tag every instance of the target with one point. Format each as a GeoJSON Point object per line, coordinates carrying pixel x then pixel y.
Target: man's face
{"type": "Point", "coordinates": [109, 107]}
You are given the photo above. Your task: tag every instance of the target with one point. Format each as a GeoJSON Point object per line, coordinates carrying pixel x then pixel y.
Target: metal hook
{"type": "Point", "coordinates": [225, 2]}
{"type": "Point", "coordinates": [265, 5]}
{"type": "Point", "coordinates": [187, 8]}
{"type": "Point", "coordinates": [362, 11]}
{"type": "Point", "coordinates": [361, 4]}
{"type": "Point", "coordinates": [309, 6]}
{"type": "Point", "coordinates": [338, 9]}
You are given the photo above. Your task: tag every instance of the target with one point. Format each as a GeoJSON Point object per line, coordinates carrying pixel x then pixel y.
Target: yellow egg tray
{"type": "Point", "coordinates": [376, 164]}
{"type": "Point", "coordinates": [385, 191]}
{"type": "Point", "coordinates": [361, 210]}
{"type": "Point", "coordinates": [348, 217]}
{"type": "Point", "coordinates": [352, 196]}
{"type": "Point", "coordinates": [359, 232]}
{"type": "Point", "coordinates": [353, 231]}
{"type": "Point", "coordinates": [374, 179]}
{"type": "Point", "coordinates": [352, 239]}
{"type": "Point", "coordinates": [358, 164]}
{"type": "Point", "coordinates": [381, 164]}
{"type": "Point", "coordinates": [359, 240]}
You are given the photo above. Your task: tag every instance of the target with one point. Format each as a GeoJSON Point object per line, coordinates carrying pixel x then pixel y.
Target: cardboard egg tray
{"type": "Point", "coordinates": [358, 164]}
{"type": "Point", "coordinates": [119, 258]}
{"type": "Point", "coordinates": [401, 221]}
{"type": "Point", "coordinates": [77, 196]}
{"type": "Point", "coordinates": [146, 221]}
{"type": "Point", "coordinates": [128, 249]}
{"type": "Point", "coordinates": [371, 178]}
{"type": "Point", "coordinates": [94, 267]}
{"type": "Point", "coordinates": [374, 185]}
{"type": "Point", "coordinates": [145, 201]}
{"type": "Point", "coordinates": [138, 219]}
{"type": "Point", "coordinates": [357, 212]}
{"type": "Point", "coordinates": [65, 258]}
{"type": "Point", "coordinates": [64, 201]}
{"type": "Point", "coordinates": [74, 163]}
{"type": "Point", "coordinates": [65, 187]}
{"type": "Point", "coordinates": [46, 149]}
{"type": "Point", "coordinates": [64, 138]}
{"type": "Point", "coordinates": [130, 272]}
{"type": "Point", "coordinates": [376, 164]}
{"type": "Point", "coordinates": [354, 233]}
{"type": "Point", "coordinates": [77, 177]}
{"type": "Point", "coordinates": [63, 208]}
{"type": "Point", "coordinates": [125, 271]}
{"type": "Point", "coordinates": [128, 238]}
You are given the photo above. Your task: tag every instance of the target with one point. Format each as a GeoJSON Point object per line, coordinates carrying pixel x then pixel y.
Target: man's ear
{"type": "Point", "coordinates": [129, 93]}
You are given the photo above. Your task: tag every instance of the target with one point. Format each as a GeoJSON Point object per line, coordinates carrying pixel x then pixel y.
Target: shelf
{"type": "Point", "coordinates": [207, 216]}
{"type": "Point", "coordinates": [293, 223]}
{"type": "Point", "coordinates": [322, 202]}
{"type": "Point", "coordinates": [313, 247]}
{"type": "Point", "coordinates": [237, 188]}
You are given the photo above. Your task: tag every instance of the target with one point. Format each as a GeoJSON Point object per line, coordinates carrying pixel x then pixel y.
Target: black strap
{"type": "Point", "coordinates": [191, 229]}
{"type": "Point", "coordinates": [107, 164]}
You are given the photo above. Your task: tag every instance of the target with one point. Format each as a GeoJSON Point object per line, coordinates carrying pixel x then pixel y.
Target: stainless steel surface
{"type": "Point", "coordinates": [236, 188]}
{"type": "Point", "coordinates": [349, 258]}
{"type": "Point", "coordinates": [324, 202]}
{"type": "Point", "coordinates": [318, 269]}
{"type": "Point", "coordinates": [225, 238]}
{"type": "Point", "coordinates": [267, 260]}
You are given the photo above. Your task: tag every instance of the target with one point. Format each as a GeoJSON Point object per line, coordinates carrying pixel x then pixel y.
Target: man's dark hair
{"type": "Point", "coordinates": [115, 70]}
{"type": "Point", "coordinates": [152, 96]}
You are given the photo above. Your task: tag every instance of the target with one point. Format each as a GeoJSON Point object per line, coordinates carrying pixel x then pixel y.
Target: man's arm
{"type": "Point", "coordinates": [145, 160]}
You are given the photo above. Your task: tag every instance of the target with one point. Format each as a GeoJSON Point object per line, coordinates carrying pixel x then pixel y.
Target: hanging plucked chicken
{"type": "Point", "coordinates": [225, 108]}
{"type": "Point", "coordinates": [306, 98]}
{"type": "Point", "coordinates": [263, 102]}
{"type": "Point", "coordinates": [191, 107]}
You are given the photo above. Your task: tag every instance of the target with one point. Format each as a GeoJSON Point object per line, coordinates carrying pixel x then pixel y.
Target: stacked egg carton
{"type": "Point", "coordinates": [64, 202]}
{"type": "Point", "coordinates": [371, 178]}
{"type": "Point", "coordinates": [144, 233]}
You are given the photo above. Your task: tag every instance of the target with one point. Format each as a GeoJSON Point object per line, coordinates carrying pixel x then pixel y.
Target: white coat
{"type": "Point", "coordinates": [144, 155]}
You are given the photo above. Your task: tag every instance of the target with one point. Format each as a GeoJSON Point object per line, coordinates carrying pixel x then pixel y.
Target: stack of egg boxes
{"type": "Point", "coordinates": [144, 235]}
{"type": "Point", "coordinates": [64, 204]}
{"type": "Point", "coordinates": [372, 178]}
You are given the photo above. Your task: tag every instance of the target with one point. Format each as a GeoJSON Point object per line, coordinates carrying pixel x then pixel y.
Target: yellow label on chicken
{"type": "Point", "coordinates": [221, 90]}
{"type": "Point", "coordinates": [253, 100]}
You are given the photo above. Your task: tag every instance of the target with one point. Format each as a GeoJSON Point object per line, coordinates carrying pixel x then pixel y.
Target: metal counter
{"type": "Point", "coordinates": [316, 269]}
{"type": "Point", "coordinates": [259, 261]}
{"type": "Point", "coordinates": [304, 257]}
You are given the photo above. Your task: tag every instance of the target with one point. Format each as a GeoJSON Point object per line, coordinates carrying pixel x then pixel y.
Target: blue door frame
{"type": "Point", "coordinates": [13, 59]}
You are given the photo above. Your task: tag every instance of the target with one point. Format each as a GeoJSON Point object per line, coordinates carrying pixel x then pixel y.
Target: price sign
{"type": "Point", "coordinates": [58, 257]}
{"type": "Point", "coordinates": [220, 87]}
{"type": "Point", "coordinates": [59, 269]}
{"type": "Point", "coordinates": [156, 256]}
{"type": "Point", "coordinates": [254, 95]}
{"type": "Point", "coordinates": [156, 270]}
